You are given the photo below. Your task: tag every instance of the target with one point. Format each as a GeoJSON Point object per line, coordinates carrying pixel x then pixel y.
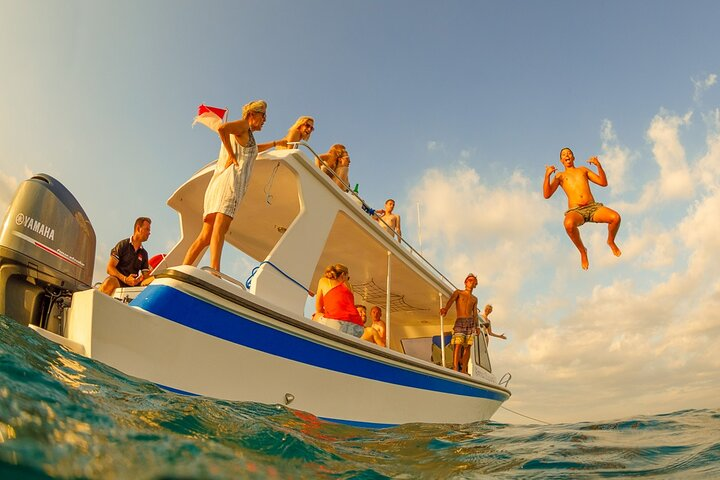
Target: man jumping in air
{"type": "Point", "coordinates": [582, 207]}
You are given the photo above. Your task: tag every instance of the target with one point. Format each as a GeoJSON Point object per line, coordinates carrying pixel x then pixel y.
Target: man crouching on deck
{"type": "Point", "coordinates": [582, 207]}
{"type": "Point", "coordinates": [466, 324]}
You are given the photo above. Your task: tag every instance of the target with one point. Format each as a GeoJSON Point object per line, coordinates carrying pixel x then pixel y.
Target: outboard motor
{"type": "Point", "coordinates": [47, 252]}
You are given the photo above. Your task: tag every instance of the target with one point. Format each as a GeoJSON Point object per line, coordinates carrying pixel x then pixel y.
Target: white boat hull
{"type": "Point", "coordinates": [186, 340]}
{"type": "Point", "coordinates": [197, 334]}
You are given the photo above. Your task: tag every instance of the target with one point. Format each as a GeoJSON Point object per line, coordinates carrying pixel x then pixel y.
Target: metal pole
{"type": "Point", "coordinates": [387, 302]}
{"type": "Point", "coordinates": [442, 331]}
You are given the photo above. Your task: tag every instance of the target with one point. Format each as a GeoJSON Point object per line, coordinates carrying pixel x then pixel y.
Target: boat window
{"type": "Point", "coordinates": [482, 359]}
{"type": "Point", "coordinates": [429, 348]}
{"type": "Point", "coordinates": [418, 347]}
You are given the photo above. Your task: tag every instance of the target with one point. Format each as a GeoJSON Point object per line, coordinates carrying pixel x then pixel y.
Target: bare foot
{"type": "Point", "coordinates": [614, 249]}
{"type": "Point", "coordinates": [584, 259]}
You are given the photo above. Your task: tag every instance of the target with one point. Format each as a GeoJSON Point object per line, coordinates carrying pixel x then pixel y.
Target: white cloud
{"type": "Point", "coordinates": [701, 233]}
{"type": "Point", "coordinates": [702, 85]}
{"type": "Point", "coordinates": [433, 146]}
{"type": "Point", "coordinates": [648, 197]}
{"type": "Point", "coordinates": [607, 342]}
{"type": "Point", "coordinates": [460, 207]}
{"type": "Point", "coordinates": [708, 167]}
{"type": "Point", "coordinates": [498, 227]}
{"type": "Point", "coordinates": [657, 249]}
{"type": "Point", "coordinates": [616, 350]}
{"type": "Point", "coordinates": [8, 185]}
{"type": "Point", "coordinates": [675, 181]}
{"type": "Point", "coordinates": [614, 157]}
{"type": "Point", "coordinates": [518, 179]}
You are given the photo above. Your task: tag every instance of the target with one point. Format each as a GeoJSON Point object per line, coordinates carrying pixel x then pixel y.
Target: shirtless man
{"type": "Point", "coordinates": [378, 325]}
{"type": "Point", "coordinates": [582, 207]}
{"type": "Point", "coordinates": [390, 221]}
{"type": "Point", "coordinates": [372, 333]}
{"type": "Point", "coordinates": [466, 324]}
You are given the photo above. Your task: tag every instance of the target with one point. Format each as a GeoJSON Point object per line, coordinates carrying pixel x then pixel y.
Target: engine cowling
{"type": "Point", "coordinates": [47, 248]}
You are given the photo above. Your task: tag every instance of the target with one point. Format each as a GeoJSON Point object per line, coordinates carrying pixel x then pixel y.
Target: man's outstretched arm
{"type": "Point", "coordinates": [453, 297]}
{"type": "Point", "coordinates": [599, 177]}
{"type": "Point", "coordinates": [549, 186]}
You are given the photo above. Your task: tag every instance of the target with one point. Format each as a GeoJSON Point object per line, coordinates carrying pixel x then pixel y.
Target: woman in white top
{"type": "Point", "coordinates": [229, 181]}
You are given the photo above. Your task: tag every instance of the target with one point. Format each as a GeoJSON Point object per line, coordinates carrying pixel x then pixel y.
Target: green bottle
{"type": "Point", "coordinates": [356, 187]}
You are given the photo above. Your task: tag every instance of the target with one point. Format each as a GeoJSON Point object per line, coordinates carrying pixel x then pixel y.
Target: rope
{"type": "Point", "coordinates": [526, 416]}
{"type": "Point", "coordinates": [254, 271]}
{"type": "Point", "coordinates": [268, 185]}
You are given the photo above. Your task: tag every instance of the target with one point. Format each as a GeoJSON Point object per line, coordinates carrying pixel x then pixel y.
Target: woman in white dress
{"type": "Point", "coordinates": [230, 180]}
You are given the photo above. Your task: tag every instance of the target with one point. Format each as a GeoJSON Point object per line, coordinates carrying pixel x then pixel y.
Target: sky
{"type": "Point", "coordinates": [451, 108]}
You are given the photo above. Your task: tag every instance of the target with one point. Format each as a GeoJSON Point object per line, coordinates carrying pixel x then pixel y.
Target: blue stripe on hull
{"type": "Point", "coordinates": [177, 390]}
{"type": "Point", "coordinates": [352, 423]}
{"type": "Point", "coordinates": [358, 424]}
{"type": "Point", "coordinates": [205, 317]}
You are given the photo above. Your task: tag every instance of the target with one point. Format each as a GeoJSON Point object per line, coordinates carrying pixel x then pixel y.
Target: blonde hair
{"type": "Point", "coordinates": [337, 150]}
{"type": "Point", "coordinates": [334, 271]}
{"type": "Point", "coordinates": [258, 106]}
{"type": "Point", "coordinates": [300, 122]}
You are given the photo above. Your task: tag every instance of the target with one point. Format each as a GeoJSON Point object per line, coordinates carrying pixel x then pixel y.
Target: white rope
{"type": "Point", "coordinates": [526, 416]}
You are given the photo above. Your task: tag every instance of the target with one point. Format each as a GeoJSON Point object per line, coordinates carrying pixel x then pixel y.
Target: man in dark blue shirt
{"type": "Point", "coordinates": [128, 258]}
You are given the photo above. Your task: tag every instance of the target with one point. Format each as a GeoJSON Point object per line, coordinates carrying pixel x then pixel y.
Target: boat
{"type": "Point", "coordinates": [196, 331]}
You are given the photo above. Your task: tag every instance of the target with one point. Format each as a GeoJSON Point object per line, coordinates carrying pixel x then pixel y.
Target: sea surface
{"type": "Point", "coordinates": [67, 416]}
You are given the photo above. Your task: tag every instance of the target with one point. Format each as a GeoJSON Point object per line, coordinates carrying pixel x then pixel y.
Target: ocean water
{"type": "Point", "coordinates": [66, 416]}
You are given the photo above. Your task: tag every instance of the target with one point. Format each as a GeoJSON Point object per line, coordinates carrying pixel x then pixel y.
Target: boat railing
{"type": "Point", "coordinates": [224, 276]}
{"type": "Point", "coordinates": [265, 262]}
{"type": "Point", "coordinates": [370, 211]}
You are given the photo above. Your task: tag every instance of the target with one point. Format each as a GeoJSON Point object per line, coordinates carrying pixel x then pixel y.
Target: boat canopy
{"type": "Point", "coordinates": [295, 221]}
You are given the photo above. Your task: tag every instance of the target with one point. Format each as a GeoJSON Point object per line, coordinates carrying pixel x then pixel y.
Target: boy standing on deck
{"type": "Point", "coordinates": [466, 324]}
{"type": "Point", "coordinates": [390, 221]}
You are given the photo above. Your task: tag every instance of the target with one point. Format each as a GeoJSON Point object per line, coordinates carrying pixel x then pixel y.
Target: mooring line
{"type": "Point", "coordinates": [526, 416]}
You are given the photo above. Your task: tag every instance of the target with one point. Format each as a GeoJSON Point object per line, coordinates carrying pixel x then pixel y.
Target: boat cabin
{"type": "Point", "coordinates": [294, 221]}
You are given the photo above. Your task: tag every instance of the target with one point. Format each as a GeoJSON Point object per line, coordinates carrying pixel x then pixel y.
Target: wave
{"type": "Point", "coordinates": [67, 416]}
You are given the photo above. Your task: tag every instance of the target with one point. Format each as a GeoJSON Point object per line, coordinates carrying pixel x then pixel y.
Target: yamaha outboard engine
{"type": "Point", "coordinates": [47, 252]}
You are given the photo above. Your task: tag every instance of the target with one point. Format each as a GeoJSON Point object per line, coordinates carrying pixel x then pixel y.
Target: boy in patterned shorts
{"type": "Point", "coordinates": [466, 324]}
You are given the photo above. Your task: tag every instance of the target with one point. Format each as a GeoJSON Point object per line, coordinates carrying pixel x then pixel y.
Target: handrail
{"type": "Point", "coordinates": [347, 187]}
{"type": "Point", "coordinates": [224, 276]}
{"type": "Point", "coordinates": [371, 212]}
{"type": "Point", "coordinates": [266, 262]}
